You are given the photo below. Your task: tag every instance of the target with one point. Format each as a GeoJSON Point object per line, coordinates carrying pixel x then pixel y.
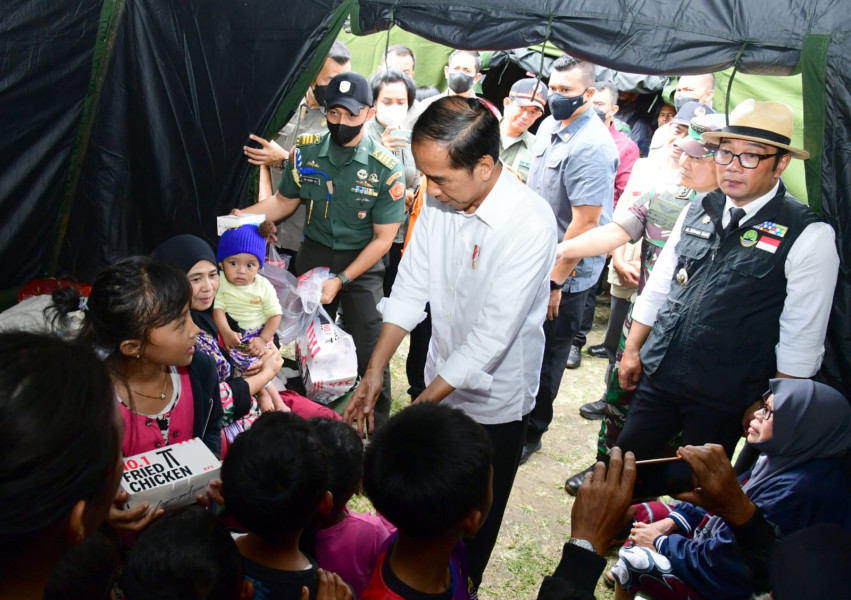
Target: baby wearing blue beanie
{"type": "Point", "coordinates": [249, 299]}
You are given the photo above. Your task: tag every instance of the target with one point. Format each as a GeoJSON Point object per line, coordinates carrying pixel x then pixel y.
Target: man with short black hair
{"type": "Point", "coordinates": [402, 58]}
{"type": "Point", "coordinates": [740, 294]}
{"type": "Point", "coordinates": [574, 166]}
{"type": "Point", "coordinates": [480, 255]}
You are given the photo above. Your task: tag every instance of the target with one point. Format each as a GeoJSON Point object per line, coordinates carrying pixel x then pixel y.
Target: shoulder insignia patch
{"type": "Point", "coordinates": [397, 191]}
{"type": "Point", "coordinates": [307, 139]}
{"type": "Point", "coordinates": [393, 177]}
{"type": "Point", "coordinates": [384, 158]}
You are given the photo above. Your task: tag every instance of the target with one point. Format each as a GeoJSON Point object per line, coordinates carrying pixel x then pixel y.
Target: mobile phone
{"type": "Point", "coordinates": [662, 476]}
{"type": "Point", "coordinates": [405, 133]}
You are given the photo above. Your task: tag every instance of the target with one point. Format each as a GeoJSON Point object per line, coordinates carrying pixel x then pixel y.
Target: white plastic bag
{"type": "Point", "coordinates": [299, 298]}
{"type": "Point", "coordinates": [327, 359]}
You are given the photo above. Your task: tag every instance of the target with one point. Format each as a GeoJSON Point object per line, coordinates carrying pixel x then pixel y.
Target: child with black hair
{"type": "Point", "coordinates": [188, 554]}
{"type": "Point", "coordinates": [346, 542]}
{"type": "Point", "coordinates": [428, 471]}
{"type": "Point", "coordinates": [248, 300]}
{"type": "Point", "coordinates": [87, 571]}
{"type": "Point", "coordinates": [274, 480]}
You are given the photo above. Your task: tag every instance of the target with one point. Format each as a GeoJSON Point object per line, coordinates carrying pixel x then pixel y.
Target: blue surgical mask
{"type": "Point", "coordinates": [562, 107]}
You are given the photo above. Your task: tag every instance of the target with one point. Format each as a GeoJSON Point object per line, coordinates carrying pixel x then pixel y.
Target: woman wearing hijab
{"type": "Point", "coordinates": [803, 432]}
{"type": "Point", "coordinates": [194, 256]}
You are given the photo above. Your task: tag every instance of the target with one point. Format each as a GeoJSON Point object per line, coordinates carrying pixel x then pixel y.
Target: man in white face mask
{"type": "Point", "coordinates": [394, 94]}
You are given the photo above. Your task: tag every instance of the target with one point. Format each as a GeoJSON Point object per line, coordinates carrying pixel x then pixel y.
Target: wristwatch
{"type": "Point", "coordinates": [555, 286]}
{"type": "Point", "coordinates": [582, 544]}
{"type": "Point", "coordinates": [347, 283]}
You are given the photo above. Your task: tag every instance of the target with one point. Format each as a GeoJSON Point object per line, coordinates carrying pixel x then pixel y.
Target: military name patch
{"type": "Point", "coordinates": [749, 238]}
{"type": "Point", "coordinates": [397, 191]}
{"type": "Point", "coordinates": [772, 228]}
{"type": "Point", "coordinates": [310, 179]}
{"type": "Point", "coordinates": [697, 232]}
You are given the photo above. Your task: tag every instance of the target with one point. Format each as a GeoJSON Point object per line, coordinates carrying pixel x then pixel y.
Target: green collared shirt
{"type": "Point", "coordinates": [346, 190]}
{"type": "Point", "coordinates": [518, 155]}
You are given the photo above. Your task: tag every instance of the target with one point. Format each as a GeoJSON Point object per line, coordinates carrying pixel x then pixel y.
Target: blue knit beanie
{"type": "Point", "coordinates": [241, 239]}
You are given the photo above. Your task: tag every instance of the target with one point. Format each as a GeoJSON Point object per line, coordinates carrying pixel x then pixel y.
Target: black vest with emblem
{"type": "Point", "coordinates": [713, 340]}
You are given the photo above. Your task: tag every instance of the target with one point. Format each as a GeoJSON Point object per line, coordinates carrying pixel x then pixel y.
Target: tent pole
{"type": "Point", "coordinates": [813, 86]}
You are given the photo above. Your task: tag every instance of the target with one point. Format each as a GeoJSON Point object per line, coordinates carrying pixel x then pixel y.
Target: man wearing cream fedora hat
{"type": "Point", "coordinates": [741, 293]}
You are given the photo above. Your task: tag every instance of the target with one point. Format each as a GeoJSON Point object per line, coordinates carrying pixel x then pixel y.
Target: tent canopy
{"type": "Point", "coordinates": [125, 119]}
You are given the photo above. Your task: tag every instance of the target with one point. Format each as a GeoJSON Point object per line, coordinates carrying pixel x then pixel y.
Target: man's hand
{"type": "Point", "coordinates": [628, 273]}
{"type": "Point", "coordinates": [330, 289]}
{"type": "Point", "coordinates": [552, 307]}
{"type": "Point", "coordinates": [719, 491]}
{"type": "Point", "coordinates": [269, 153]}
{"type": "Point", "coordinates": [629, 370]}
{"type": "Point", "coordinates": [602, 501]}
{"type": "Point", "coordinates": [360, 407]}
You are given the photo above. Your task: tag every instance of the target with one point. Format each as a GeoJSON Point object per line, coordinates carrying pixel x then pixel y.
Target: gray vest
{"type": "Point", "coordinates": [714, 338]}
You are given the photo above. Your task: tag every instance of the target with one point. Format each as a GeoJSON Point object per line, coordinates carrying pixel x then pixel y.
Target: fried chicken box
{"type": "Point", "coordinates": [171, 476]}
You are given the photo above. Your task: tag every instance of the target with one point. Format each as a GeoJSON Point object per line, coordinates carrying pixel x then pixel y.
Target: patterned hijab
{"type": "Point", "coordinates": [811, 420]}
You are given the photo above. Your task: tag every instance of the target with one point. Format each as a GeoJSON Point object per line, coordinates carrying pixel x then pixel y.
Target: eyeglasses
{"type": "Point", "coordinates": [748, 160]}
{"type": "Point", "coordinates": [767, 411]}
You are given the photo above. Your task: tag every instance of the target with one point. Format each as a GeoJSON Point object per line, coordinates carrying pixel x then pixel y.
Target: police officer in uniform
{"type": "Point", "coordinates": [353, 191]}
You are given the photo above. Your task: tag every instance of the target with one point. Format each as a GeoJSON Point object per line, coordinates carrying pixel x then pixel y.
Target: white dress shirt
{"type": "Point", "coordinates": [486, 277]}
{"type": "Point", "coordinates": [811, 267]}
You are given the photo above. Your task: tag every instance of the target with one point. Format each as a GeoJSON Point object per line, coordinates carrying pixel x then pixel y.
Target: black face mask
{"type": "Point", "coordinates": [600, 113]}
{"type": "Point", "coordinates": [562, 107]}
{"type": "Point", "coordinates": [459, 82]}
{"type": "Point", "coordinates": [343, 134]}
{"type": "Point", "coordinates": [681, 101]}
{"type": "Point", "coordinates": [319, 93]}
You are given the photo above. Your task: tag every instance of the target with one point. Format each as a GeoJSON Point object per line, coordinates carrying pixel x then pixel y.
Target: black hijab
{"type": "Point", "coordinates": [184, 252]}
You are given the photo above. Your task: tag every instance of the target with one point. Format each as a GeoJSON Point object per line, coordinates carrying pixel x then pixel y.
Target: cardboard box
{"type": "Point", "coordinates": [169, 477]}
{"type": "Point", "coordinates": [226, 222]}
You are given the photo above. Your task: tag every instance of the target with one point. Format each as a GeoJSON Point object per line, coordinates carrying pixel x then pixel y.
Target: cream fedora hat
{"type": "Point", "coordinates": [765, 122]}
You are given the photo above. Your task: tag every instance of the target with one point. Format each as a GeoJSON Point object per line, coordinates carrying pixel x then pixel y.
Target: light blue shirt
{"type": "Point", "coordinates": [576, 166]}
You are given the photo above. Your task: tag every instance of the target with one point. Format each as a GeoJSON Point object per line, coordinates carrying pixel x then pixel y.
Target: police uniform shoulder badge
{"type": "Point", "coordinates": [307, 139]}
{"type": "Point", "coordinates": [384, 158]}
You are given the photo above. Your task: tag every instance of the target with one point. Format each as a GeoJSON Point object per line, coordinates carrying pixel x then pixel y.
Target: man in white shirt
{"type": "Point", "coordinates": [741, 293]}
{"type": "Point", "coordinates": [481, 253]}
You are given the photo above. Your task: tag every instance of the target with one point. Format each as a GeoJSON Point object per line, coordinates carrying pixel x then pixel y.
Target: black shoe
{"type": "Point", "coordinates": [599, 351]}
{"type": "Point", "coordinates": [574, 359]}
{"type": "Point", "coordinates": [529, 448]}
{"type": "Point", "coordinates": [593, 411]}
{"type": "Point", "coordinates": [571, 486]}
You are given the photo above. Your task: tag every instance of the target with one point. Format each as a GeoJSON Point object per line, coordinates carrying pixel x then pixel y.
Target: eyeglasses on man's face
{"type": "Point", "coordinates": [748, 160]}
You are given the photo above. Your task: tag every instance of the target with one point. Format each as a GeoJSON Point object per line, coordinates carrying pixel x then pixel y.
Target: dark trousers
{"type": "Point", "coordinates": [363, 321]}
{"type": "Point", "coordinates": [507, 441]}
{"type": "Point", "coordinates": [655, 416]}
{"type": "Point", "coordinates": [614, 329]}
{"type": "Point", "coordinates": [586, 322]}
{"type": "Point", "coordinates": [391, 263]}
{"type": "Point", "coordinates": [417, 354]}
{"type": "Point", "coordinates": [559, 334]}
